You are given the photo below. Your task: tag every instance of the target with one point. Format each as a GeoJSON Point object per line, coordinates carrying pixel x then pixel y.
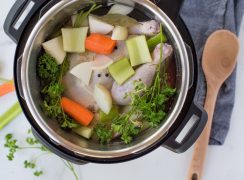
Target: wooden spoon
{"type": "Point", "coordinates": [218, 61]}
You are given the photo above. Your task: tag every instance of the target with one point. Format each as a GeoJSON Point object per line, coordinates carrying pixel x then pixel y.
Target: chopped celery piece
{"type": "Point", "coordinates": [4, 80]}
{"type": "Point", "coordinates": [9, 115]}
{"type": "Point", "coordinates": [54, 48]}
{"type": "Point", "coordinates": [155, 40]}
{"type": "Point", "coordinates": [82, 18]}
{"type": "Point", "coordinates": [138, 50]}
{"type": "Point", "coordinates": [84, 22]}
{"type": "Point", "coordinates": [121, 70]}
{"type": "Point", "coordinates": [83, 131]}
{"type": "Point", "coordinates": [103, 117]}
{"type": "Point", "coordinates": [74, 39]}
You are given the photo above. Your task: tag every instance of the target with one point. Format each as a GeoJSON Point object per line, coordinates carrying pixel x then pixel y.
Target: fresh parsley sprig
{"type": "Point", "coordinates": [51, 75]}
{"type": "Point", "coordinates": [33, 143]}
{"type": "Point", "coordinates": [148, 105]}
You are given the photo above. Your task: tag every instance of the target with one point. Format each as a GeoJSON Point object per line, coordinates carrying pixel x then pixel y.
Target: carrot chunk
{"type": "Point", "coordinates": [100, 44]}
{"type": "Point", "coordinates": [76, 111]}
{"type": "Point", "coordinates": [6, 88]}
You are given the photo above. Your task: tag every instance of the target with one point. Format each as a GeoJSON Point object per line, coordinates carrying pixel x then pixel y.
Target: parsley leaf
{"type": "Point", "coordinates": [51, 75]}
{"type": "Point", "coordinates": [28, 164]}
{"type": "Point", "coordinates": [38, 173]}
{"type": "Point", "coordinates": [47, 68]}
{"type": "Point", "coordinates": [11, 145]}
{"type": "Point", "coordinates": [103, 132]}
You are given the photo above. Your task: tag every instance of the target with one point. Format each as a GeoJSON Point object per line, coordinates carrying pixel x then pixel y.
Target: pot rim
{"type": "Point", "coordinates": [84, 152]}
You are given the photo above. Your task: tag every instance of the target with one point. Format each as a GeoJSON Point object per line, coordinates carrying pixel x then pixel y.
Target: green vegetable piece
{"type": "Point", "coordinates": [38, 173]}
{"type": "Point", "coordinates": [121, 70]}
{"type": "Point", "coordinates": [51, 75]}
{"type": "Point", "coordinates": [4, 80]}
{"type": "Point", "coordinates": [83, 131]}
{"type": "Point", "coordinates": [138, 50]}
{"type": "Point", "coordinates": [147, 110]}
{"type": "Point", "coordinates": [118, 20]}
{"type": "Point", "coordinates": [74, 39]}
{"type": "Point", "coordinates": [9, 115]}
{"type": "Point", "coordinates": [47, 68]}
{"type": "Point", "coordinates": [103, 133]}
{"type": "Point", "coordinates": [81, 19]}
{"type": "Point", "coordinates": [103, 117]}
{"type": "Point", "coordinates": [83, 23]}
{"type": "Point", "coordinates": [11, 144]}
{"type": "Point", "coordinates": [29, 164]}
{"type": "Point", "coordinates": [155, 40]}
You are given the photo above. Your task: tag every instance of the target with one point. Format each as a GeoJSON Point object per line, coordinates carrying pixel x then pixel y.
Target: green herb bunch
{"type": "Point", "coordinates": [148, 106]}
{"type": "Point", "coordinates": [51, 75]}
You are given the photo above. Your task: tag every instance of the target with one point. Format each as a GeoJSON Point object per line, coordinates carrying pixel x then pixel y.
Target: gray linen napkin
{"type": "Point", "coordinates": [203, 17]}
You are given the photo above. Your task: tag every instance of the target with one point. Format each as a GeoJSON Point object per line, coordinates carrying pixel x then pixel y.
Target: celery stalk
{"type": "Point", "coordinates": [155, 40]}
{"type": "Point", "coordinates": [81, 20]}
{"type": "Point", "coordinates": [74, 39]}
{"type": "Point", "coordinates": [83, 131]}
{"type": "Point", "coordinates": [121, 70]}
{"type": "Point", "coordinates": [4, 80]}
{"type": "Point", "coordinates": [138, 51]}
{"type": "Point", "coordinates": [9, 115]}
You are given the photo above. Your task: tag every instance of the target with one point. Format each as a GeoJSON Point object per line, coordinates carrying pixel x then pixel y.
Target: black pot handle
{"type": "Point", "coordinates": [170, 7]}
{"type": "Point", "coordinates": [21, 13]}
{"type": "Point", "coordinates": [188, 131]}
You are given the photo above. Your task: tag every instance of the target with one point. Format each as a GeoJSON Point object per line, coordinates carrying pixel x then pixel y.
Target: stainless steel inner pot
{"type": "Point", "coordinates": [51, 21]}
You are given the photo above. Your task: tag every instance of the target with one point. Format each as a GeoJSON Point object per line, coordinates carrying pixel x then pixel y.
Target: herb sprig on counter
{"type": "Point", "coordinates": [148, 104]}
{"type": "Point", "coordinates": [51, 75]}
{"type": "Point", "coordinates": [12, 145]}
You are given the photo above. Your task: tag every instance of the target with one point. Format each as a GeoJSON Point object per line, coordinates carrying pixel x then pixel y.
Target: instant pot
{"type": "Point", "coordinates": [31, 22]}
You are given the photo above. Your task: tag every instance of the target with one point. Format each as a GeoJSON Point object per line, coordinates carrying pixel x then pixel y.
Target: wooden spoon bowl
{"type": "Point", "coordinates": [219, 56]}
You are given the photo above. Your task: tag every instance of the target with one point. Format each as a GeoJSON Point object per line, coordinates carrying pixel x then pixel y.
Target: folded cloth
{"type": "Point", "coordinates": [203, 17]}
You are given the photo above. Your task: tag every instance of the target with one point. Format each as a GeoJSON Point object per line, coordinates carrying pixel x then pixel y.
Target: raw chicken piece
{"type": "Point", "coordinates": [76, 59]}
{"type": "Point", "coordinates": [167, 51]}
{"type": "Point", "coordinates": [120, 52]}
{"type": "Point", "coordinates": [148, 28]}
{"type": "Point", "coordinates": [145, 72]}
{"type": "Point", "coordinates": [78, 91]}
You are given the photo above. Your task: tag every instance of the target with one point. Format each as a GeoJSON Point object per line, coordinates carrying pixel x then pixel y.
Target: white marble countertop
{"type": "Point", "coordinates": [224, 162]}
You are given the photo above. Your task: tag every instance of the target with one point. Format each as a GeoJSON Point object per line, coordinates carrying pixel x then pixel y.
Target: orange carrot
{"type": "Point", "coordinates": [76, 111]}
{"type": "Point", "coordinates": [100, 44]}
{"type": "Point", "coordinates": [6, 88]}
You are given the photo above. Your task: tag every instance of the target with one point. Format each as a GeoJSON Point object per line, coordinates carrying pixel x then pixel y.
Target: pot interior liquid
{"type": "Point", "coordinates": [170, 66]}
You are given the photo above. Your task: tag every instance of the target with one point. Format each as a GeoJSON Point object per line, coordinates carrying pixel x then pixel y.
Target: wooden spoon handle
{"type": "Point", "coordinates": [197, 163]}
